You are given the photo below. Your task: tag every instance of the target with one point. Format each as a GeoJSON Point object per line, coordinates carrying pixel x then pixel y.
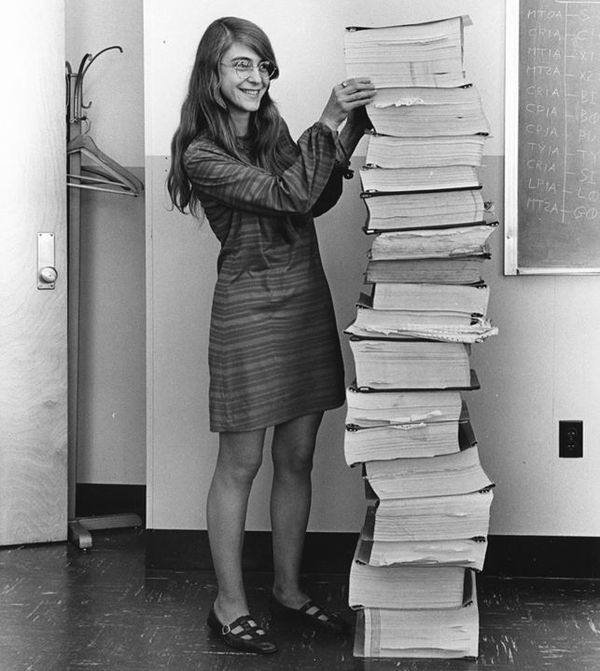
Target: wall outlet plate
{"type": "Point", "coordinates": [570, 438]}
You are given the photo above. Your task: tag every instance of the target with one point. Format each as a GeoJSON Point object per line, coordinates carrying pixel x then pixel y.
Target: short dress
{"type": "Point", "coordinates": [274, 351]}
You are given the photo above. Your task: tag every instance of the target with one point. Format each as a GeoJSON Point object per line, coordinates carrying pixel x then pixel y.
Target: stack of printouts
{"type": "Point", "coordinates": [424, 538]}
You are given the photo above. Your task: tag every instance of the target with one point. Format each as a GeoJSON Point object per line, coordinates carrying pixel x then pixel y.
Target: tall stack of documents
{"type": "Point", "coordinates": [424, 538]}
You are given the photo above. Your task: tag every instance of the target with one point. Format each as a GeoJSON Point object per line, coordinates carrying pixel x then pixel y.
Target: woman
{"type": "Point", "coordinates": [274, 352]}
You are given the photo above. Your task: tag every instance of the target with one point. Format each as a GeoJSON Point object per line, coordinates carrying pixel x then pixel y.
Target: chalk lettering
{"type": "Point", "coordinates": [547, 70]}
{"type": "Point", "coordinates": [545, 151]}
{"type": "Point", "coordinates": [585, 35]}
{"type": "Point", "coordinates": [544, 52]}
{"type": "Point", "coordinates": [590, 196]}
{"type": "Point", "coordinates": [589, 117]}
{"type": "Point", "coordinates": [588, 97]}
{"type": "Point", "coordinates": [541, 110]}
{"type": "Point", "coordinates": [541, 131]}
{"type": "Point", "coordinates": [543, 206]}
{"type": "Point", "coordinates": [587, 176]}
{"type": "Point", "coordinates": [541, 166]}
{"type": "Point", "coordinates": [540, 184]}
{"type": "Point", "coordinates": [587, 135]}
{"type": "Point", "coordinates": [583, 56]}
{"type": "Point", "coordinates": [544, 33]}
{"type": "Point", "coordinates": [543, 92]}
{"type": "Point", "coordinates": [544, 14]}
{"type": "Point", "coordinates": [588, 156]}
{"type": "Point", "coordinates": [582, 212]}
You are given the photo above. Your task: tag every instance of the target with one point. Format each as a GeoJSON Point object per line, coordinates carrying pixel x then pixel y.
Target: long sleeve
{"type": "Point", "coordinates": [346, 142]}
{"type": "Point", "coordinates": [331, 193]}
{"type": "Point", "coordinates": [218, 176]}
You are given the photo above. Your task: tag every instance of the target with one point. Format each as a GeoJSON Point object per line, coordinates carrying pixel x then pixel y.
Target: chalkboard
{"type": "Point", "coordinates": [552, 169]}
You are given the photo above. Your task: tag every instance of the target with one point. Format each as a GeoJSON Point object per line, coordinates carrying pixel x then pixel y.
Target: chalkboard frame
{"type": "Point", "coordinates": [512, 265]}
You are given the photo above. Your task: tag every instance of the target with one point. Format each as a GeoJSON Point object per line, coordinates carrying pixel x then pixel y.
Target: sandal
{"type": "Point", "coordinates": [310, 614]}
{"type": "Point", "coordinates": [242, 634]}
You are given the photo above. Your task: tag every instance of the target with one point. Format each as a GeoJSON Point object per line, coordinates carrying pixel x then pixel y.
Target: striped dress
{"type": "Point", "coordinates": [274, 350]}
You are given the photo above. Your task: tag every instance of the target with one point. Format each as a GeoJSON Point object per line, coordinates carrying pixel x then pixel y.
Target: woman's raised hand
{"type": "Point", "coordinates": [351, 94]}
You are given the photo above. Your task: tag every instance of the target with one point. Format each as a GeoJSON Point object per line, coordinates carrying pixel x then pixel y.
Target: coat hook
{"type": "Point", "coordinates": [84, 66]}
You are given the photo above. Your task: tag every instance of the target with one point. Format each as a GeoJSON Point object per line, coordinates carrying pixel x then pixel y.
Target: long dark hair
{"type": "Point", "coordinates": [204, 109]}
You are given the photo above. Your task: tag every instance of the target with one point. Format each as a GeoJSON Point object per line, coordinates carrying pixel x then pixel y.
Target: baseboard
{"type": "Point", "coordinates": [189, 550]}
{"type": "Point", "coordinates": [507, 556]}
{"type": "Point", "coordinates": [100, 499]}
{"type": "Point", "coordinates": [543, 557]}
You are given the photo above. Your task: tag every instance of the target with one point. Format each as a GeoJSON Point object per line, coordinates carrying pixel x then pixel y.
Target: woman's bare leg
{"type": "Point", "coordinates": [293, 448]}
{"type": "Point", "coordinates": [240, 456]}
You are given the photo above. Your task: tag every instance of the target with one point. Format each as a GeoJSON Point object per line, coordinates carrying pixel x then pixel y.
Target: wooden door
{"type": "Point", "coordinates": [33, 321]}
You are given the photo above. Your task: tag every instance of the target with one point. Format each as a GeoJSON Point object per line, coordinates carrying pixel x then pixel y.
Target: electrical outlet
{"type": "Point", "coordinates": [570, 438]}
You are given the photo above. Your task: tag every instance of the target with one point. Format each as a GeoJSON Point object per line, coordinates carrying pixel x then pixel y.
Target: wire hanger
{"type": "Point", "coordinates": [104, 174]}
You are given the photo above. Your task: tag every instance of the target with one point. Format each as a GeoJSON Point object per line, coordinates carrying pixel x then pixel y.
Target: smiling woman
{"type": "Point", "coordinates": [274, 353]}
{"type": "Point", "coordinates": [244, 80]}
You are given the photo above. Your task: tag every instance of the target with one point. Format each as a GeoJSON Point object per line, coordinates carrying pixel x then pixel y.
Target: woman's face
{"type": "Point", "coordinates": [242, 89]}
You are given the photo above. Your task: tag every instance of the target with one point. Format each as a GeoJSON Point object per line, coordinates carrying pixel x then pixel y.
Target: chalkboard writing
{"type": "Point", "coordinates": [559, 135]}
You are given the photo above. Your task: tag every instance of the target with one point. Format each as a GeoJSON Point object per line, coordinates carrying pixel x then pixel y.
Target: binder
{"type": "Point", "coordinates": [444, 633]}
{"type": "Point", "coordinates": [407, 440]}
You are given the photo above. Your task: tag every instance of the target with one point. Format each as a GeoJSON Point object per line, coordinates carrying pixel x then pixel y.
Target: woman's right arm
{"type": "Point", "coordinates": [216, 175]}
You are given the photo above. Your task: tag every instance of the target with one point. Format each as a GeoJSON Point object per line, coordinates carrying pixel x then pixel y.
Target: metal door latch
{"type": "Point", "coordinates": [46, 272]}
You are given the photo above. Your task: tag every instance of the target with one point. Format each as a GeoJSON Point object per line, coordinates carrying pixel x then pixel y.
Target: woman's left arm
{"type": "Point", "coordinates": [357, 124]}
{"type": "Point", "coordinates": [348, 138]}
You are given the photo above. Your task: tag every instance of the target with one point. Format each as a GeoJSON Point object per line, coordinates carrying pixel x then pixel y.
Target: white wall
{"type": "Point", "coordinates": [111, 448]}
{"type": "Point", "coordinates": [114, 84]}
{"type": "Point", "coordinates": [534, 373]}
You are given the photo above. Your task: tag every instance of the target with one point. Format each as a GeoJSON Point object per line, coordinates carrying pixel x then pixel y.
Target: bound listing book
{"type": "Point", "coordinates": [429, 517]}
{"type": "Point", "coordinates": [435, 209]}
{"type": "Point", "coordinates": [386, 322]}
{"type": "Point", "coordinates": [466, 552]}
{"type": "Point", "coordinates": [429, 325]}
{"type": "Point", "coordinates": [416, 112]}
{"type": "Point", "coordinates": [399, 180]}
{"type": "Point", "coordinates": [384, 151]}
{"type": "Point", "coordinates": [455, 270]}
{"type": "Point", "coordinates": [373, 409]}
{"type": "Point", "coordinates": [406, 587]}
{"type": "Point", "coordinates": [423, 54]}
{"type": "Point", "coordinates": [410, 364]}
{"type": "Point", "coordinates": [444, 633]}
{"type": "Point", "coordinates": [412, 440]}
{"type": "Point", "coordinates": [457, 473]}
{"type": "Point", "coordinates": [442, 242]}
{"type": "Point", "coordinates": [466, 299]}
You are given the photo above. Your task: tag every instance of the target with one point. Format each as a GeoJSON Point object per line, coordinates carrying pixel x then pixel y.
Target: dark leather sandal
{"type": "Point", "coordinates": [242, 634]}
{"type": "Point", "coordinates": [310, 614]}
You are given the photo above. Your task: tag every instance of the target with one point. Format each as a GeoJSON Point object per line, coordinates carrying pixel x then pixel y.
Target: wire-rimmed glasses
{"type": "Point", "coordinates": [245, 66]}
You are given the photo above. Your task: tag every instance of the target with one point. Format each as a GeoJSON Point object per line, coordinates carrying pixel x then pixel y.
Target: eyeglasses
{"type": "Point", "coordinates": [244, 67]}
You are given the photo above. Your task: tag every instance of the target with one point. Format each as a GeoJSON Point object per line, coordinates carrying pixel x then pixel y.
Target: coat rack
{"type": "Point", "coordinates": [99, 172]}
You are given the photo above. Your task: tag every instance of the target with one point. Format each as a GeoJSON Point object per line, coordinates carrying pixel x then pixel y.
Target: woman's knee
{"type": "Point", "coordinates": [238, 473]}
{"type": "Point", "coordinates": [294, 444]}
{"type": "Point", "coordinates": [293, 458]}
{"type": "Point", "coordinates": [239, 460]}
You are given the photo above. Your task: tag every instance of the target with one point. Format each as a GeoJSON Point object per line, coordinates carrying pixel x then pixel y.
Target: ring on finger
{"type": "Point", "coordinates": [344, 84]}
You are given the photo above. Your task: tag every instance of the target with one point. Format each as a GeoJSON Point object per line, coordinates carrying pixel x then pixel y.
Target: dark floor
{"type": "Point", "coordinates": [61, 609]}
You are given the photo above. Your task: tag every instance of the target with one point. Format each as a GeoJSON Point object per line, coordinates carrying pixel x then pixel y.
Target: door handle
{"type": "Point", "coordinates": [46, 272]}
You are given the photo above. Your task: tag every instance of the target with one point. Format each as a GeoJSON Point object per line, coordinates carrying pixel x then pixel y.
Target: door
{"type": "Point", "coordinates": [33, 308]}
